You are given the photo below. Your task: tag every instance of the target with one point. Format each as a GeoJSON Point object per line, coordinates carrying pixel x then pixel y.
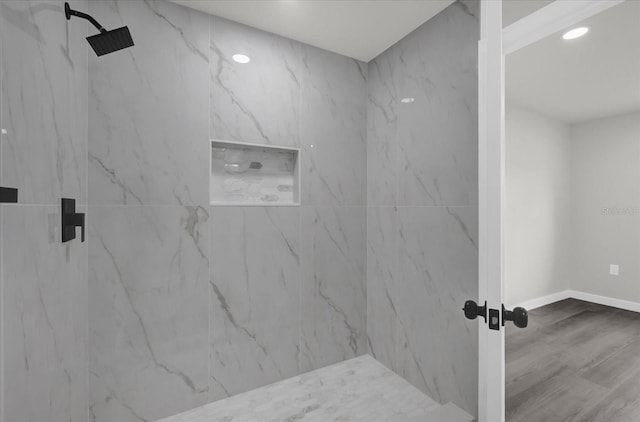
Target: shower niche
{"type": "Point", "coordinates": [252, 174]}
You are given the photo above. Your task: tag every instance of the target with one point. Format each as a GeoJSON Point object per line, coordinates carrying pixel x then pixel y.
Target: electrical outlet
{"type": "Point", "coordinates": [614, 269]}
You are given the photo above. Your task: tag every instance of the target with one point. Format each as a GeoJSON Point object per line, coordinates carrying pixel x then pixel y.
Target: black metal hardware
{"type": "Point", "coordinates": [8, 195]}
{"type": "Point", "coordinates": [519, 316]}
{"type": "Point", "coordinates": [494, 319]}
{"type": "Point", "coordinates": [472, 310]}
{"type": "Point", "coordinates": [106, 41]}
{"type": "Point", "coordinates": [71, 220]}
{"type": "Point", "coordinates": [68, 12]}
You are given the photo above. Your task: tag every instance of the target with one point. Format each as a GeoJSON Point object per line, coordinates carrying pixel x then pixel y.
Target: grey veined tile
{"type": "Point", "coordinates": [333, 129]}
{"type": "Point", "coordinates": [44, 318]}
{"type": "Point", "coordinates": [438, 269]}
{"type": "Point", "coordinates": [383, 107]}
{"type": "Point", "coordinates": [359, 389]}
{"type": "Point", "coordinates": [382, 274]}
{"type": "Point", "coordinates": [259, 101]}
{"type": "Point", "coordinates": [438, 132]}
{"type": "Point", "coordinates": [44, 101]}
{"type": "Point", "coordinates": [255, 292]}
{"type": "Point", "coordinates": [148, 311]}
{"type": "Point", "coordinates": [333, 296]}
{"type": "Point", "coordinates": [148, 107]}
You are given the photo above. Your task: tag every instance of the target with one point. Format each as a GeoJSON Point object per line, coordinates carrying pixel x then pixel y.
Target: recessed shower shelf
{"type": "Point", "coordinates": [253, 174]}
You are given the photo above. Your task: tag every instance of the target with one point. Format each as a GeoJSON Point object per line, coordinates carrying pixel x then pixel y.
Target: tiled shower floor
{"type": "Point", "coordinates": [359, 389]}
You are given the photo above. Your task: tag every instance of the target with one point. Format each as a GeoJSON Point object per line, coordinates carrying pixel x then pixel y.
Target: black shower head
{"type": "Point", "coordinates": [106, 41]}
{"type": "Point", "coordinates": [110, 41]}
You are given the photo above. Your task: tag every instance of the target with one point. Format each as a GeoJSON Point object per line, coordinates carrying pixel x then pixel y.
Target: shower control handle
{"type": "Point", "coordinates": [71, 220]}
{"type": "Point", "coordinates": [8, 195]}
{"type": "Point", "coordinates": [519, 316]}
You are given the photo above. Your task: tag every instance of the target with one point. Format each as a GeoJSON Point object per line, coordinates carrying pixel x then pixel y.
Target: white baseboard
{"type": "Point", "coordinates": [607, 301]}
{"type": "Point", "coordinates": [545, 300]}
{"type": "Point", "coordinates": [587, 297]}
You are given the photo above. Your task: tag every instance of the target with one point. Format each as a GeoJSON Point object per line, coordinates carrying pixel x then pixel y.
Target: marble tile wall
{"type": "Point", "coordinates": [179, 289]}
{"type": "Point", "coordinates": [148, 107]}
{"type": "Point", "coordinates": [255, 313]}
{"type": "Point", "coordinates": [149, 310]}
{"type": "Point", "coordinates": [43, 150]}
{"type": "Point", "coordinates": [187, 303]}
{"type": "Point", "coordinates": [150, 224]}
{"type": "Point", "coordinates": [44, 101]}
{"type": "Point", "coordinates": [422, 252]}
{"type": "Point", "coordinates": [44, 318]}
{"type": "Point", "coordinates": [333, 291]}
{"type": "Point", "coordinates": [258, 102]}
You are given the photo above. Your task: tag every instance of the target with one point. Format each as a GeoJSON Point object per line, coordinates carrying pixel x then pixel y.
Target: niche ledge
{"type": "Point", "coordinates": [253, 174]}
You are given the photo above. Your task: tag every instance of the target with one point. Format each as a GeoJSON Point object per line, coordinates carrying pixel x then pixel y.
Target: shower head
{"type": "Point", "coordinates": [110, 41]}
{"type": "Point", "coordinates": [106, 41]}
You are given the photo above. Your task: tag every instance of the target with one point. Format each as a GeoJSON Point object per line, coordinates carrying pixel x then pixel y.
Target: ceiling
{"type": "Point", "coordinates": [361, 29]}
{"type": "Point", "coordinates": [514, 10]}
{"type": "Point", "coordinates": [595, 76]}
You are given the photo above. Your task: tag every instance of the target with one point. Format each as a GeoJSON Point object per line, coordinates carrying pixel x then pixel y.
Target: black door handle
{"type": "Point", "coordinates": [519, 316]}
{"type": "Point", "coordinates": [473, 311]}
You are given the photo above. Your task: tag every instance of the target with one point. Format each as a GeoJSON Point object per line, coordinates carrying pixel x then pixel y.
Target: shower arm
{"type": "Point", "coordinates": [70, 12]}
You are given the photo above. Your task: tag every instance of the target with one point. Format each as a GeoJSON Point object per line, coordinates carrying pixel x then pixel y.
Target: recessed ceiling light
{"type": "Point", "coordinates": [407, 100]}
{"type": "Point", "coordinates": [241, 58]}
{"type": "Point", "coordinates": [575, 33]}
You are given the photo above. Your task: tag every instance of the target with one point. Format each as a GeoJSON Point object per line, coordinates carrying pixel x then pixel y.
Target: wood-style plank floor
{"type": "Point", "coordinates": [577, 361]}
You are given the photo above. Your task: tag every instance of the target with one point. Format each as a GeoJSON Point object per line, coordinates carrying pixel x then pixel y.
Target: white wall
{"type": "Point", "coordinates": [573, 206]}
{"type": "Point", "coordinates": [605, 206]}
{"type": "Point", "coordinates": [537, 230]}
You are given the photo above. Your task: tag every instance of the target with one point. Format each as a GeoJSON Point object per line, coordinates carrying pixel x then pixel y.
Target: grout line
{"type": "Point", "coordinates": [211, 231]}
{"type": "Point", "coordinates": [88, 390]}
{"type": "Point", "coordinates": [303, 185]}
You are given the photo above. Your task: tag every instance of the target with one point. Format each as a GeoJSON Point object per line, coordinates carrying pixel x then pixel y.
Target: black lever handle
{"type": "Point", "coordinates": [472, 310]}
{"type": "Point", "coordinates": [519, 316]}
{"type": "Point", "coordinates": [8, 195]}
{"type": "Point", "coordinates": [71, 220]}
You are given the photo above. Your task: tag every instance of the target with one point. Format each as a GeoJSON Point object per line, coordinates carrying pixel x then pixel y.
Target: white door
{"type": "Point", "coordinates": [495, 44]}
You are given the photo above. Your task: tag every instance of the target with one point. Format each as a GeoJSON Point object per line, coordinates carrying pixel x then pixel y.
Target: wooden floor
{"type": "Point", "coordinates": [577, 361]}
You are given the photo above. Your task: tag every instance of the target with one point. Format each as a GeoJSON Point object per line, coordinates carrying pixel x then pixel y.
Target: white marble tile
{"type": "Point", "coordinates": [255, 292]}
{"type": "Point", "coordinates": [432, 164]}
{"type": "Point", "coordinates": [148, 311]}
{"type": "Point", "coordinates": [356, 390]}
{"type": "Point", "coordinates": [256, 102]}
{"type": "Point", "coordinates": [333, 129]}
{"type": "Point", "coordinates": [438, 132]}
{"type": "Point", "coordinates": [382, 273]}
{"type": "Point", "coordinates": [44, 96]}
{"type": "Point", "coordinates": [438, 270]}
{"type": "Point", "coordinates": [44, 318]}
{"type": "Point", "coordinates": [383, 107]}
{"type": "Point", "coordinates": [333, 295]}
{"type": "Point", "coordinates": [148, 115]}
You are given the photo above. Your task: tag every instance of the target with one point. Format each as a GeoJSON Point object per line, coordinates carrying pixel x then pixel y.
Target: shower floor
{"type": "Point", "coordinates": [359, 389]}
